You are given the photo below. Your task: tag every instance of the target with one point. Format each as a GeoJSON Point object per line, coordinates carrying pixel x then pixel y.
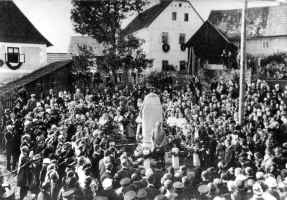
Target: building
{"type": "Point", "coordinates": [266, 28]}
{"type": "Point", "coordinates": [165, 28]}
{"type": "Point", "coordinates": [206, 47]}
{"type": "Point", "coordinates": [23, 49]}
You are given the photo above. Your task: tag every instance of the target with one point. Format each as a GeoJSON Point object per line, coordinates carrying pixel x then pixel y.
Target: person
{"type": "Point", "coordinates": [44, 193]}
{"type": "Point", "coordinates": [24, 175]}
{"type": "Point", "coordinates": [10, 144]}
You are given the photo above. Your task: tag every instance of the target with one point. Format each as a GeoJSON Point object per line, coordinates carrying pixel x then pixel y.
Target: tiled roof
{"type": "Point", "coordinates": [261, 21]}
{"type": "Point", "coordinates": [145, 18]}
{"type": "Point", "coordinates": [16, 28]}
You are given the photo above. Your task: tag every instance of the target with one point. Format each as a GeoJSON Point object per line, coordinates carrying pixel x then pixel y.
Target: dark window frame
{"type": "Point", "coordinates": [164, 64]}
{"type": "Point", "coordinates": [14, 55]}
{"type": "Point", "coordinates": [186, 17]}
{"type": "Point", "coordinates": [182, 38]}
{"type": "Point", "coordinates": [174, 16]}
{"type": "Point", "coordinates": [164, 37]}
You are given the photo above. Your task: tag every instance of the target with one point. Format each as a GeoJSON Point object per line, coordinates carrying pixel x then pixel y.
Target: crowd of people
{"type": "Point", "coordinates": [272, 70]}
{"type": "Point", "coordinates": [88, 146]}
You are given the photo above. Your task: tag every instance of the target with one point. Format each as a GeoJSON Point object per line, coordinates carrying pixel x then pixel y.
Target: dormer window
{"type": "Point", "coordinates": [13, 55]}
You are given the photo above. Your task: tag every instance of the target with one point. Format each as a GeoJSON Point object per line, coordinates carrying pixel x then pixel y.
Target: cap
{"type": "Point", "coordinates": [203, 189]}
{"type": "Point", "coordinates": [178, 185]}
{"type": "Point", "coordinates": [107, 183]}
{"type": "Point", "coordinates": [142, 193]}
{"type": "Point", "coordinates": [271, 182]}
{"type": "Point", "coordinates": [130, 195]}
{"type": "Point", "coordinates": [125, 181]}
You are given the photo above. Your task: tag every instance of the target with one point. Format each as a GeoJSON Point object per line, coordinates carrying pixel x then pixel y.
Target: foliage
{"type": "Point", "coordinates": [277, 58]}
{"type": "Point", "coordinates": [84, 60]}
{"type": "Point", "coordinates": [102, 20]}
{"type": "Point", "coordinates": [159, 79]}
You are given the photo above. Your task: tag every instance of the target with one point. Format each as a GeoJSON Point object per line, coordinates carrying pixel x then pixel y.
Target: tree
{"type": "Point", "coordinates": [82, 63]}
{"type": "Point", "coordinates": [102, 19]}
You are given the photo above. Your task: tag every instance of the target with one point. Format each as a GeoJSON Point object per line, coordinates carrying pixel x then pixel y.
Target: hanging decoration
{"type": "Point", "coordinates": [182, 47]}
{"type": "Point", "coordinates": [165, 47]}
{"type": "Point", "coordinates": [14, 67]}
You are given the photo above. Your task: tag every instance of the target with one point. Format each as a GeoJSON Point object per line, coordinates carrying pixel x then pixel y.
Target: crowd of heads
{"type": "Point", "coordinates": [88, 146]}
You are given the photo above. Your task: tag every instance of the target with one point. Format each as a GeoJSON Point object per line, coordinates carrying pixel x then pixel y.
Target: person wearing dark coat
{"type": "Point", "coordinates": [10, 144]}
{"type": "Point", "coordinates": [24, 175]}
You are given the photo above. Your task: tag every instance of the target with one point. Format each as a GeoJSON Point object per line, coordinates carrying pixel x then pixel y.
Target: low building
{"type": "Point", "coordinates": [23, 49]}
{"type": "Point", "coordinates": [266, 28]}
{"type": "Point", "coordinates": [206, 48]}
{"type": "Point", "coordinates": [165, 28]}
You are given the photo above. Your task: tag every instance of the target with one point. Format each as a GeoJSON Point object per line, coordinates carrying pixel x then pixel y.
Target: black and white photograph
{"type": "Point", "coordinates": [143, 99]}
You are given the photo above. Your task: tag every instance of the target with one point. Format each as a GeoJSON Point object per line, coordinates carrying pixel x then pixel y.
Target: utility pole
{"type": "Point", "coordinates": [242, 64]}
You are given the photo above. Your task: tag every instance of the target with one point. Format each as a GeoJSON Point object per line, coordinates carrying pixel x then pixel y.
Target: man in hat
{"type": "Point", "coordinates": [10, 144]}
{"type": "Point", "coordinates": [32, 102]}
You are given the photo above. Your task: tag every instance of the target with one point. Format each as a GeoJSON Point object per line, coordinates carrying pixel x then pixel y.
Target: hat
{"type": "Point", "coordinates": [130, 195]}
{"type": "Point", "coordinates": [142, 193]}
{"type": "Point", "coordinates": [259, 175]}
{"type": "Point", "coordinates": [46, 161]}
{"type": "Point", "coordinates": [178, 185]}
{"type": "Point", "coordinates": [125, 181]}
{"type": "Point", "coordinates": [271, 182]}
{"type": "Point", "coordinates": [107, 183]}
{"type": "Point", "coordinates": [203, 189]}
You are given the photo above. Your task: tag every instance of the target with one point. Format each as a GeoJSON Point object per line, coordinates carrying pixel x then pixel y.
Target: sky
{"type": "Point", "coordinates": [52, 17]}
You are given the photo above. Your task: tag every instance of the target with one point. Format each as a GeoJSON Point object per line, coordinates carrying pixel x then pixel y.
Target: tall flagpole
{"type": "Point", "coordinates": [242, 63]}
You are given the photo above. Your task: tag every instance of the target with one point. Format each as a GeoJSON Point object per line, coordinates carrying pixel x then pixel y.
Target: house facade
{"type": "Point", "coordinates": [266, 28]}
{"type": "Point", "coordinates": [23, 49]}
{"type": "Point", "coordinates": [165, 28]}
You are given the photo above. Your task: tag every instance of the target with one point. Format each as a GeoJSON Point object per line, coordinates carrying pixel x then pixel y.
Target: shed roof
{"type": "Point", "coordinates": [48, 69]}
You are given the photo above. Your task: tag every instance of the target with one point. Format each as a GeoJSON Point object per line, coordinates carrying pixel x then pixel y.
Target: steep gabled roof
{"type": "Point", "coordinates": [208, 41]}
{"type": "Point", "coordinates": [145, 18]}
{"type": "Point", "coordinates": [261, 21]}
{"type": "Point", "coordinates": [16, 28]}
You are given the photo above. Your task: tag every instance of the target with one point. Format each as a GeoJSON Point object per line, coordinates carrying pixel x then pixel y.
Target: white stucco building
{"type": "Point", "coordinates": [23, 49]}
{"type": "Point", "coordinates": [165, 27]}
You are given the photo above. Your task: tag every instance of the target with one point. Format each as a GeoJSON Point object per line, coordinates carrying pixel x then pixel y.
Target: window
{"type": "Point", "coordinates": [182, 38]}
{"type": "Point", "coordinates": [173, 16]}
{"type": "Point", "coordinates": [265, 44]}
{"type": "Point", "coordinates": [164, 37]}
{"type": "Point", "coordinates": [186, 17]}
{"type": "Point", "coordinates": [165, 65]}
{"type": "Point", "coordinates": [13, 54]}
{"type": "Point", "coordinates": [182, 66]}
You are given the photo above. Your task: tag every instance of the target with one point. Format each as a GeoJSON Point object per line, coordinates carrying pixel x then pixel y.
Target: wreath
{"type": "Point", "coordinates": [165, 47]}
{"type": "Point", "coordinates": [14, 67]}
{"type": "Point", "coordinates": [182, 47]}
